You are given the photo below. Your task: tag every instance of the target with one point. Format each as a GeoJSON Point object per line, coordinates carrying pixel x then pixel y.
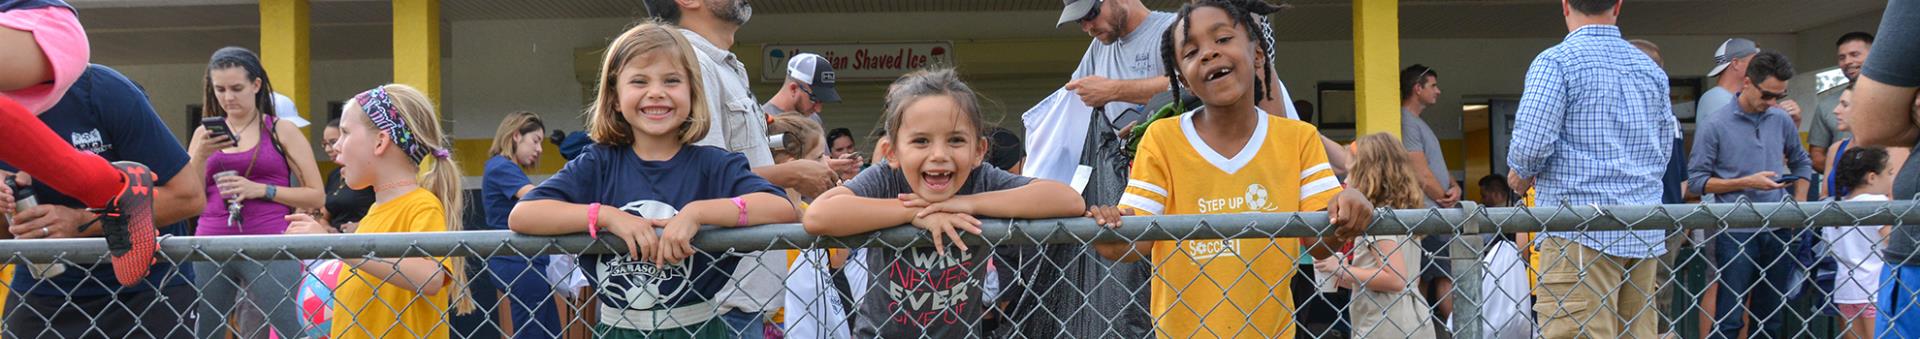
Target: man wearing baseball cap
{"type": "Point", "coordinates": [1730, 65]}
{"type": "Point", "coordinates": [1113, 73]}
{"type": "Point", "coordinates": [1119, 73]}
{"type": "Point", "coordinates": [809, 84]}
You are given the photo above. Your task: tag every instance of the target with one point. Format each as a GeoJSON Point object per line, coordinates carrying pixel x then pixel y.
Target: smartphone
{"type": "Point", "coordinates": [1787, 179]}
{"type": "Point", "coordinates": [217, 126]}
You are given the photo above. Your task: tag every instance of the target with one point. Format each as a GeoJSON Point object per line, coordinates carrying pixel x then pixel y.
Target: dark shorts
{"type": "Point", "coordinates": [131, 315]}
{"type": "Point", "coordinates": [1435, 265]}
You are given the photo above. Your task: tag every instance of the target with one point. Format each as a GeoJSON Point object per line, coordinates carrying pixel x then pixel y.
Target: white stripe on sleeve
{"type": "Point", "coordinates": [1142, 204]}
{"type": "Point", "coordinates": [1150, 187]}
{"type": "Point", "coordinates": [1319, 186]}
{"type": "Point", "coordinates": [1315, 169]}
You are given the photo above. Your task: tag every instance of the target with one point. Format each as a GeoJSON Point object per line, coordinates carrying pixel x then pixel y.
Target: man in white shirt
{"type": "Point", "coordinates": [739, 126]}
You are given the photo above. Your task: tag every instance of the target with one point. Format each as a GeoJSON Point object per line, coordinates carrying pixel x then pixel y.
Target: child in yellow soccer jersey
{"type": "Point", "coordinates": [1226, 157]}
{"type": "Point", "coordinates": [391, 142]}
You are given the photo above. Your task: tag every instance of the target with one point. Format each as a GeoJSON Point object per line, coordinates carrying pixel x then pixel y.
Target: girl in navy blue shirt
{"type": "Point", "coordinates": [643, 176]}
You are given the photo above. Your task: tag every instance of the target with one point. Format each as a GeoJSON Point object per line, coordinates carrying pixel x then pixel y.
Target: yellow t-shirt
{"type": "Point", "coordinates": [366, 306]}
{"type": "Point", "coordinates": [1232, 288]}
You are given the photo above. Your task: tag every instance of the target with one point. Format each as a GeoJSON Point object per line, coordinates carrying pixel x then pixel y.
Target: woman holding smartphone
{"type": "Point", "coordinates": [257, 170]}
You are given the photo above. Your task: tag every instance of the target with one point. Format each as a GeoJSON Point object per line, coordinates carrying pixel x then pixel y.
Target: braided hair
{"type": "Point", "coordinates": [1248, 14]}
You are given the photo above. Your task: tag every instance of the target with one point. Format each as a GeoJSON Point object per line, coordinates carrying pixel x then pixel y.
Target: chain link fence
{"type": "Point", "coordinates": [1240, 275]}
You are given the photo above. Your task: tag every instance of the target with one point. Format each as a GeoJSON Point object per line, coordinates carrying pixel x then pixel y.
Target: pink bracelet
{"type": "Point", "coordinates": [593, 220]}
{"type": "Point", "coordinates": [742, 204]}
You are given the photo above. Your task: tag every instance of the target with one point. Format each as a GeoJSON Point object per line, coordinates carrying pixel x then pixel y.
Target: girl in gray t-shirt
{"type": "Point", "coordinates": [933, 180]}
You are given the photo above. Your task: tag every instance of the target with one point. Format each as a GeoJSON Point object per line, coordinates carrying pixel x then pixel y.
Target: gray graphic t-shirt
{"type": "Point", "coordinates": [918, 293]}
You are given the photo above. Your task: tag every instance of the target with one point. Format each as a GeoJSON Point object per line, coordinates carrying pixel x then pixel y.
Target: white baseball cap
{"type": "Point", "coordinates": [284, 109]}
{"type": "Point", "coordinates": [1729, 51]}
{"type": "Point", "coordinates": [817, 73]}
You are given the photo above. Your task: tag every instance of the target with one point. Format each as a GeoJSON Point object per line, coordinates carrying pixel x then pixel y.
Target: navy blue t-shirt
{"type": "Point", "coordinates": [497, 185]}
{"type": "Point", "coordinates": [615, 176]}
{"type": "Point", "coordinates": [105, 114]}
{"type": "Point", "coordinates": [8, 5]}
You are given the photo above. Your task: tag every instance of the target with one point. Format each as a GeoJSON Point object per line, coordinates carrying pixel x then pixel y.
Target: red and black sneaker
{"type": "Point", "coordinates": [128, 223]}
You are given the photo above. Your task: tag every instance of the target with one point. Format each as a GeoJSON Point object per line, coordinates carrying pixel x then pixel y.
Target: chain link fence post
{"type": "Point", "coordinates": [1464, 253]}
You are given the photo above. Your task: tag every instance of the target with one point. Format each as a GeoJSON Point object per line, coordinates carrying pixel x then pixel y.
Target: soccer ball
{"type": "Point", "coordinates": [316, 296]}
{"type": "Point", "coordinates": [1256, 197]}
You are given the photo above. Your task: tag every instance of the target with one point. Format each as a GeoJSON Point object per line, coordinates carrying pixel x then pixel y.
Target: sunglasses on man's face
{"type": "Point", "coordinates": [1769, 96]}
{"type": "Point", "coordinates": [1765, 95]}
{"type": "Point", "coordinates": [1092, 13]}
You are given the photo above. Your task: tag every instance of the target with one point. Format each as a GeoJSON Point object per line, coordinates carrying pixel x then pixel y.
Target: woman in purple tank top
{"type": "Point", "coordinates": [259, 170]}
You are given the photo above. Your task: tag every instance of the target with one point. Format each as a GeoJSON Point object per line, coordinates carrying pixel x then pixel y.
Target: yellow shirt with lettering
{"type": "Point", "coordinates": [1231, 288]}
{"type": "Point", "coordinates": [366, 306]}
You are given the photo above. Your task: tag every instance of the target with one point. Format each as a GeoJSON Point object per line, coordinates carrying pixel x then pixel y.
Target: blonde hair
{"type": "Point", "coordinates": [1382, 172]}
{"type": "Point", "coordinates": [605, 124]}
{"type": "Point", "coordinates": [442, 177]}
{"type": "Point", "coordinates": [803, 134]}
{"type": "Point", "coordinates": [515, 125]}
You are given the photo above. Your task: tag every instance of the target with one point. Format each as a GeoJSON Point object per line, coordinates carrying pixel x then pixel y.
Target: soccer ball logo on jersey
{"type": "Point", "coordinates": [645, 286]}
{"type": "Point", "coordinates": [1255, 199]}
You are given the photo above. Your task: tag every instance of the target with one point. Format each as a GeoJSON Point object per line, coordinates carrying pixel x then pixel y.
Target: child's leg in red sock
{"type": "Point", "coordinates": [34, 149]}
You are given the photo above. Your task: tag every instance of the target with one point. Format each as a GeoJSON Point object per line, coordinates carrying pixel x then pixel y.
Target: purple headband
{"type": "Point", "coordinates": [379, 107]}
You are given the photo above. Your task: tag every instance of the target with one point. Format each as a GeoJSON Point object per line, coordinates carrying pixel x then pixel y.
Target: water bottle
{"type": "Point", "coordinates": [23, 199]}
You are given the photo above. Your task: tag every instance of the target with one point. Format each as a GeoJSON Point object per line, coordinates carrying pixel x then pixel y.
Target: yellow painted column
{"type": "Point", "coordinates": [1376, 66]}
{"type": "Point", "coordinates": [285, 51]}
{"type": "Point", "coordinates": [416, 45]}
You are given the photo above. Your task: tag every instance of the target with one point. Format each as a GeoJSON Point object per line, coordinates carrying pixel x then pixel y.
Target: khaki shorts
{"type": "Point", "coordinates": [1584, 293]}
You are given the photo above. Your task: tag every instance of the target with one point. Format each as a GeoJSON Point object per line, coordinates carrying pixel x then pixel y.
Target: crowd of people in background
{"type": "Point", "coordinates": [1168, 113]}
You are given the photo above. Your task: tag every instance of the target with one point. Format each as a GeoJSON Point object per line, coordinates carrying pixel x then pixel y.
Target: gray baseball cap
{"type": "Point", "coordinates": [1075, 10]}
{"type": "Point", "coordinates": [1729, 51]}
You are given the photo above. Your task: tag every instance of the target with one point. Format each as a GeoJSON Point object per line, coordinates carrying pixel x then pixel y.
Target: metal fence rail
{"type": "Point", "coordinates": [1472, 219]}
{"type": "Point", "coordinates": [1021, 298]}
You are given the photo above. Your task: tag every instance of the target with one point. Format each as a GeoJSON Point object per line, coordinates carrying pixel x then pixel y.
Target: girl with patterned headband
{"type": "Point", "coordinates": [391, 140]}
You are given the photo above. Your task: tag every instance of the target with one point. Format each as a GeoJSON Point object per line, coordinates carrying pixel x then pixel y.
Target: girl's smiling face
{"type": "Point", "coordinates": [936, 146]}
{"type": "Point", "coordinates": [1216, 58]}
{"type": "Point", "coordinates": [654, 96]}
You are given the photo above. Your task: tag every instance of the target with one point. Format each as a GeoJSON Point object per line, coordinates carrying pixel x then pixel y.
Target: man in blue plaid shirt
{"type": "Point", "coordinates": [1594, 127]}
